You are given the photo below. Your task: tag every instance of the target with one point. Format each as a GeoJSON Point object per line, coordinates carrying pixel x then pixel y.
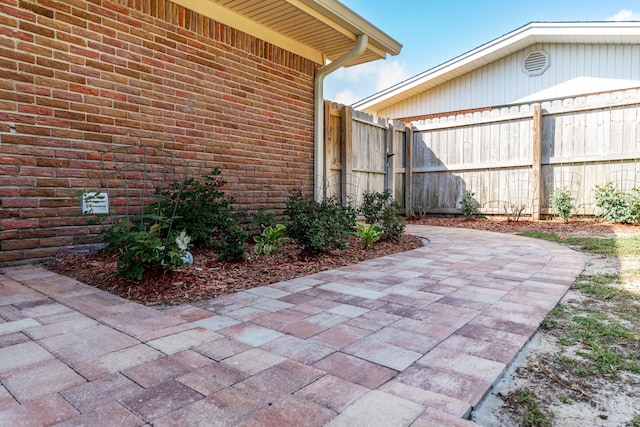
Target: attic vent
{"type": "Point", "coordinates": [535, 63]}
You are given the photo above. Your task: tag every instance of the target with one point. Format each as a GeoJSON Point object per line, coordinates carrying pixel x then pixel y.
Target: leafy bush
{"type": "Point", "coordinates": [230, 238]}
{"type": "Point", "coordinates": [380, 210]}
{"type": "Point", "coordinates": [374, 204]}
{"type": "Point", "coordinates": [208, 216]}
{"type": "Point", "coordinates": [393, 224]}
{"type": "Point", "coordinates": [369, 234]}
{"type": "Point", "coordinates": [562, 203]}
{"type": "Point", "coordinates": [141, 247]}
{"type": "Point", "coordinates": [616, 205]}
{"type": "Point", "coordinates": [318, 227]}
{"type": "Point", "coordinates": [270, 239]}
{"type": "Point", "coordinates": [469, 205]}
{"type": "Point", "coordinates": [265, 219]}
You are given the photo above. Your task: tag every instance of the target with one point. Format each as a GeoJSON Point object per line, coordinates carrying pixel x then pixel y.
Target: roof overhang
{"type": "Point", "coordinates": [523, 37]}
{"type": "Point", "coordinates": [318, 30]}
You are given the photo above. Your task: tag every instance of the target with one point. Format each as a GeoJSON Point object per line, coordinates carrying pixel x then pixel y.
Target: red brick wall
{"type": "Point", "coordinates": [78, 78]}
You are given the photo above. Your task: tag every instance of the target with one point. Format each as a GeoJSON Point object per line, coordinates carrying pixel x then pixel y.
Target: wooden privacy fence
{"type": "Point", "coordinates": [363, 154]}
{"type": "Point", "coordinates": [510, 158]}
{"type": "Point", "coordinates": [513, 158]}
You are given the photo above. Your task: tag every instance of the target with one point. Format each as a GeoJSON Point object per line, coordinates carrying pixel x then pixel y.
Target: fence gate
{"type": "Point", "coordinates": [363, 155]}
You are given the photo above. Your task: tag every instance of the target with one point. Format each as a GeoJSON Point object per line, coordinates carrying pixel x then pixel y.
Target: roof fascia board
{"type": "Point", "coordinates": [232, 19]}
{"type": "Point", "coordinates": [350, 33]}
{"type": "Point", "coordinates": [337, 13]}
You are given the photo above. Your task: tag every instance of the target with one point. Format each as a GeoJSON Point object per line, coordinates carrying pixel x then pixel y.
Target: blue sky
{"type": "Point", "coordinates": [433, 32]}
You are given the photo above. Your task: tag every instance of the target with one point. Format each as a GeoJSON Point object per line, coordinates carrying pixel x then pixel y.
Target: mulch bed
{"type": "Point", "coordinates": [208, 278]}
{"type": "Point", "coordinates": [574, 227]}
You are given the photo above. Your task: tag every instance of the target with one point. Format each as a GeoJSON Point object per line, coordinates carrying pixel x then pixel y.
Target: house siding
{"type": "Point", "coordinates": [575, 69]}
{"type": "Point", "coordinates": [81, 78]}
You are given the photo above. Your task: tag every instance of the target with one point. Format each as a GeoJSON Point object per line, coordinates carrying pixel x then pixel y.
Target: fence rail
{"type": "Point", "coordinates": [511, 158]}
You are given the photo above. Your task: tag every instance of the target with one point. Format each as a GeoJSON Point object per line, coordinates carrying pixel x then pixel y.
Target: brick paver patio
{"type": "Point", "coordinates": [416, 338]}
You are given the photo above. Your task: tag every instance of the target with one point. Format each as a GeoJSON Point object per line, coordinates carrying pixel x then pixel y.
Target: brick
{"type": "Point", "coordinates": [35, 381]}
{"type": "Point", "coordinates": [161, 399]}
{"type": "Point", "coordinates": [379, 408]}
{"type": "Point", "coordinates": [38, 10]}
{"type": "Point", "coordinates": [19, 244]}
{"type": "Point", "coordinates": [9, 224]}
{"type": "Point", "coordinates": [36, 29]}
{"type": "Point", "coordinates": [291, 411]}
{"type": "Point", "coordinates": [227, 407]}
{"type": "Point", "coordinates": [355, 370]}
{"type": "Point", "coordinates": [48, 410]}
{"type": "Point", "coordinates": [19, 203]}
{"type": "Point", "coordinates": [332, 392]}
{"type": "Point", "coordinates": [40, 253]}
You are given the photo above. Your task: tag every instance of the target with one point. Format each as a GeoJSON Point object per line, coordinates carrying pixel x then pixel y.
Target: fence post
{"type": "Point", "coordinates": [346, 151]}
{"type": "Point", "coordinates": [389, 163]}
{"type": "Point", "coordinates": [537, 161]}
{"type": "Point", "coordinates": [408, 171]}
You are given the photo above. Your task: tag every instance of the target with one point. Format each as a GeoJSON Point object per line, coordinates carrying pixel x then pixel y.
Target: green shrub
{"type": "Point", "coordinates": [374, 204]}
{"type": "Point", "coordinates": [393, 224]}
{"type": "Point", "coordinates": [208, 216]}
{"type": "Point", "coordinates": [265, 219]}
{"type": "Point", "coordinates": [141, 247]}
{"type": "Point", "coordinates": [469, 205]}
{"type": "Point", "coordinates": [318, 227]}
{"type": "Point", "coordinates": [369, 234]}
{"type": "Point", "coordinates": [380, 210]}
{"type": "Point", "coordinates": [270, 239]}
{"type": "Point", "coordinates": [616, 205]}
{"type": "Point", "coordinates": [562, 203]}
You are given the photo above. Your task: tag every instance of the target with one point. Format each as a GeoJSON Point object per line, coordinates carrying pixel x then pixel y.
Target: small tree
{"type": "Point", "coordinates": [562, 203]}
{"type": "Point", "coordinates": [469, 205]}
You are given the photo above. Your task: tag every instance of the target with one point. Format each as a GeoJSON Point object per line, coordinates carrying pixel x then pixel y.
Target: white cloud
{"type": "Point", "coordinates": [390, 73]}
{"type": "Point", "coordinates": [625, 15]}
{"type": "Point", "coordinates": [346, 97]}
{"type": "Point", "coordinates": [381, 74]}
{"type": "Point", "coordinates": [355, 83]}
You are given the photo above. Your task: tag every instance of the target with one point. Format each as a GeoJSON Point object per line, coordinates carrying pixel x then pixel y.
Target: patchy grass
{"type": "Point", "coordinates": [605, 330]}
{"type": "Point", "coordinates": [619, 246]}
{"type": "Point", "coordinates": [602, 286]}
{"type": "Point", "coordinates": [528, 411]}
{"type": "Point", "coordinates": [599, 330]}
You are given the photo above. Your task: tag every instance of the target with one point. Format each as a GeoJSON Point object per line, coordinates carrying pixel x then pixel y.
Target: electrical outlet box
{"type": "Point", "coordinates": [95, 203]}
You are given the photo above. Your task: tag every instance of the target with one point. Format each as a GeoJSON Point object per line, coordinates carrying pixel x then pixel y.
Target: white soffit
{"type": "Point", "coordinates": [315, 29]}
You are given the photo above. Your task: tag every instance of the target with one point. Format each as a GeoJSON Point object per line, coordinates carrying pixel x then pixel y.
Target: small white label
{"type": "Point", "coordinates": [95, 203]}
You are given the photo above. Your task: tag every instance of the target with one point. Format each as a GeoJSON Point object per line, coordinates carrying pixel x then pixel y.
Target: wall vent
{"type": "Point", "coordinates": [535, 63]}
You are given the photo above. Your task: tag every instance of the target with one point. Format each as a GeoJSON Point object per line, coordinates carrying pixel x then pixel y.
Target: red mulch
{"type": "Point", "coordinates": [583, 226]}
{"type": "Point", "coordinates": [208, 278]}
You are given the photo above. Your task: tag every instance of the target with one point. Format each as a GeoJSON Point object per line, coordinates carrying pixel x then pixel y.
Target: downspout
{"type": "Point", "coordinates": [318, 125]}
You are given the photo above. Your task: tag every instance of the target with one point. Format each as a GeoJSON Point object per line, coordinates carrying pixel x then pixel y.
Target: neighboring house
{"type": "Point", "coordinates": [537, 62]}
{"type": "Point", "coordinates": [220, 83]}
